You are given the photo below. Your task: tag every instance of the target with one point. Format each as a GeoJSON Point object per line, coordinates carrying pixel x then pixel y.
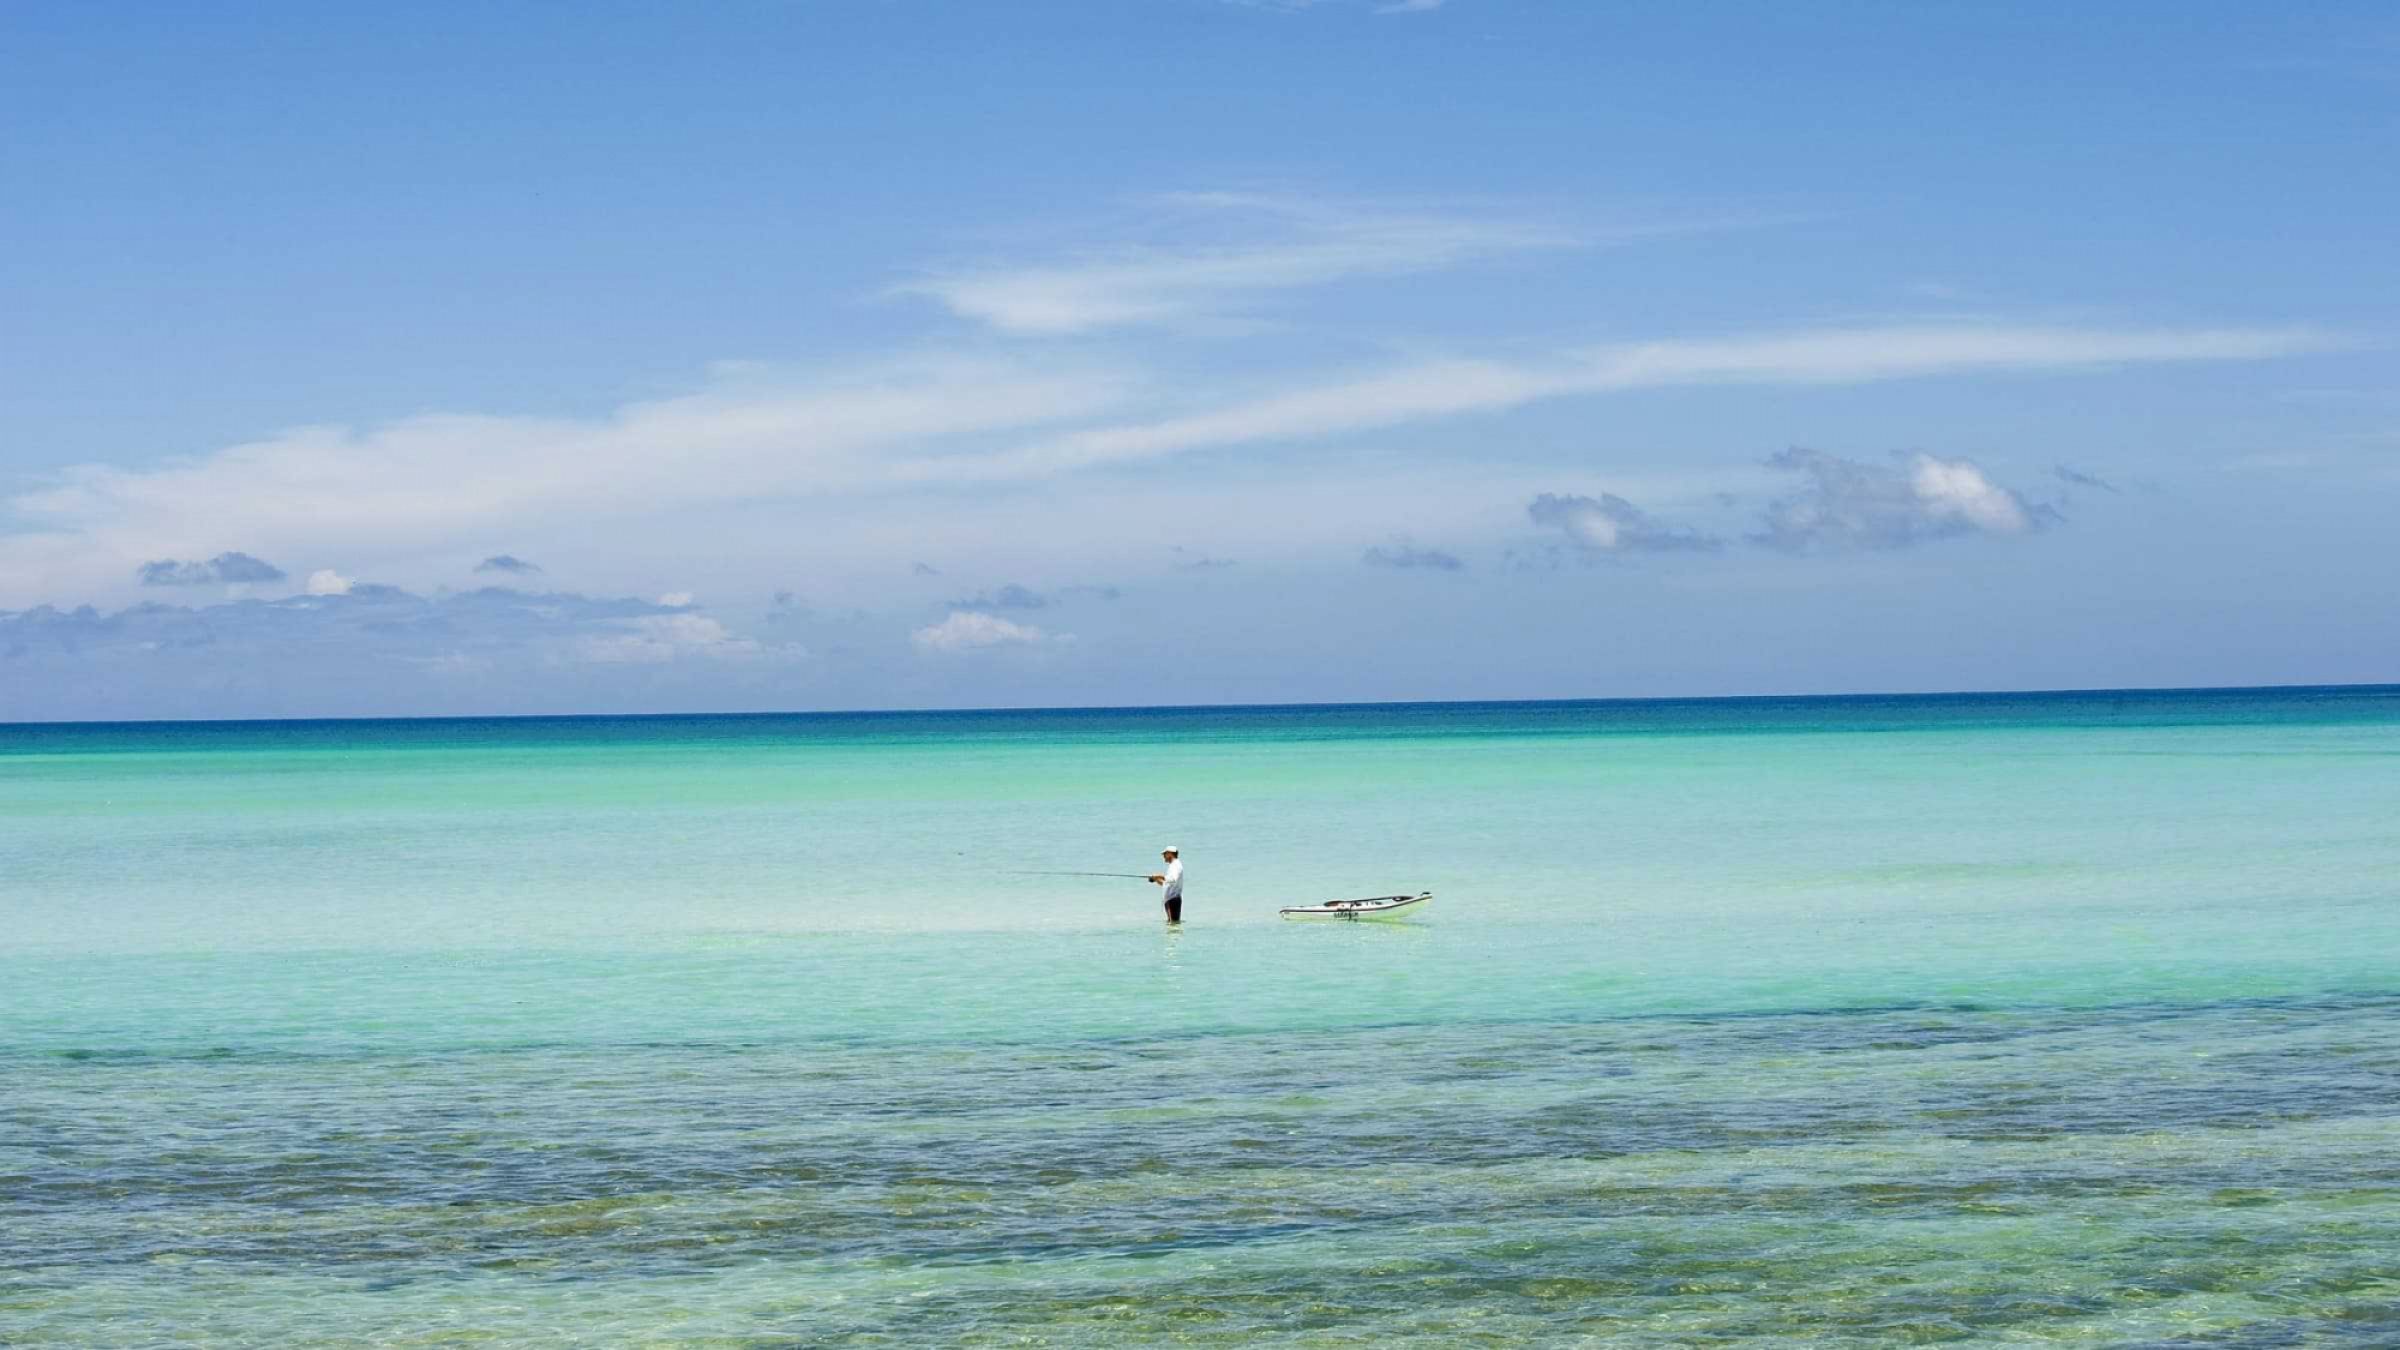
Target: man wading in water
{"type": "Point", "coordinates": [1172, 880]}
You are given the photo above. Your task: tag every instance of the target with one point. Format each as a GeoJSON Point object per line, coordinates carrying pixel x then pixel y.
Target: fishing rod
{"type": "Point", "coordinates": [1136, 876]}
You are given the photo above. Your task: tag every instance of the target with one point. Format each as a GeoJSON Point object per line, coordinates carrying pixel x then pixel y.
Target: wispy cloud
{"type": "Point", "coordinates": [1187, 560]}
{"type": "Point", "coordinates": [426, 484]}
{"type": "Point", "coordinates": [2075, 477]}
{"type": "Point", "coordinates": [1406, 555]}
{"type": "Point", "coordinates": [225, 569]}
{"type": "Point", "coordinates": [1848, 503]}
{"type": "Point", "coordinates": [1611, 524]}
{"type": "Point", "coordinates": [1011, 596]}
{"type": "Point", "coordinates": [509, 564]}
{"type": "Point", "coordinates": [428, 490]}
{"type": "Point", "coordinates": [421, 486]}
{"type": "Point", "coordinates": [1274, 244]}
{"type": "Point", "coordinates": [1821, 356]}
{"type": "Point", "coordinates": [650, 639]}
{"type": "Point", "coordinates": [969, 630]}
{"type": "Point", "coordinates": [302, 651]}
{"type": "Point", "coordinates": [1014, 596]}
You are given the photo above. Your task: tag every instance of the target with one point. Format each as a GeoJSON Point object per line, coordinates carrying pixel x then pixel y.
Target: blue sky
{"type": "Point", "coordinates": [855, 354]}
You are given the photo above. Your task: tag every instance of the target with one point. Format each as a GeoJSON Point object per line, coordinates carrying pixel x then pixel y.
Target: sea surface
{"type": "Point", "coordinates": [2064, 1019]}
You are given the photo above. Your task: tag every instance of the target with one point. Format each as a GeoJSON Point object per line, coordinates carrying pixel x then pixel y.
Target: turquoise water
{"type": "Point", "coordinates": [2056, 1019]}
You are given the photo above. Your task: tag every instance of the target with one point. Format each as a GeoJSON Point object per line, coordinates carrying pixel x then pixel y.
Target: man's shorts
{"type": "Point", "coordinates": [1174, 909]}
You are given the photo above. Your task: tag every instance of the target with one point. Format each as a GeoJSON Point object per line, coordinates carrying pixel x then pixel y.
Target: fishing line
{"type": "Point", "coordinates": [1136, 876]}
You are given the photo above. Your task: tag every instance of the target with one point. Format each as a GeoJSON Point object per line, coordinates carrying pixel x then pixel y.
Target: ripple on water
{"type": "Point", "coordinates": [1900, 1175]}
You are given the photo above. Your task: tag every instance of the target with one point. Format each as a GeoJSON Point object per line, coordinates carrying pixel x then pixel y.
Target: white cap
{"type": "Point", "coordinates": [1172, 849]}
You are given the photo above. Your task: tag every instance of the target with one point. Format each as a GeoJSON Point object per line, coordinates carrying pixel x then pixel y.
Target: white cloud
{"type": "Point", "coordinates": [413, 498]}
{"type": "Point", "coordinates": [971, 630]}
{"type": "Point", "coordinates": [1956, 490]}
{"type": "Point", "coordinates": [1823, 356]}
{"type": "Point", "coordinates": [653, 638]}
{"type": "Point", "coordinates": [326, 581]}
{"type": "Point", "coordinates": [435, 484]}
{"type": "Point", "coordinates": [357, 652]}
{"type": "Point", "coordinates": [1290, 245]}
{"type": "Point", "coordinates": [1847, 503]}
{"type": "Point", "coordinates": [1611, 524]}
{"type": "Point", "coordinates": [438, 482]}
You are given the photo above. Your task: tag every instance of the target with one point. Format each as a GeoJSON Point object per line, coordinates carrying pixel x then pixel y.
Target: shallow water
{"type": "Point", "coordinates": [2042, 1019]}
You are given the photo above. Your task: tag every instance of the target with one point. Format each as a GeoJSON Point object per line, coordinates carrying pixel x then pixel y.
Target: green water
{"type": "Point", "coordinates": [2023, 1019]}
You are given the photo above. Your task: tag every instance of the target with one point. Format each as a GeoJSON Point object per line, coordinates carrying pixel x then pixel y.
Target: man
{"type": "Point", "coordinates": [1172, 881]}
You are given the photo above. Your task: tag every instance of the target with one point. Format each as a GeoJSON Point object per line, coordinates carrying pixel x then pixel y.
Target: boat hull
{"type": "Point", "coordinates": [1385, 907]}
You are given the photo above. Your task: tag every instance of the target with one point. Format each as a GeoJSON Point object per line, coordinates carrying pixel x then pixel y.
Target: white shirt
{"type": "Point", "coordinates": [1174, 876]}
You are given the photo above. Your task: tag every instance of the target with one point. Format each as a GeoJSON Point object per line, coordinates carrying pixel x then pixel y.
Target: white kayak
{"type": "Point", "coordinates": [1379, 907]}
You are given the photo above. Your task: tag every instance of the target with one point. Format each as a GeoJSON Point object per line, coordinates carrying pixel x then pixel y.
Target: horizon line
{"type": "Point", "coordinates": [2060, 691]}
